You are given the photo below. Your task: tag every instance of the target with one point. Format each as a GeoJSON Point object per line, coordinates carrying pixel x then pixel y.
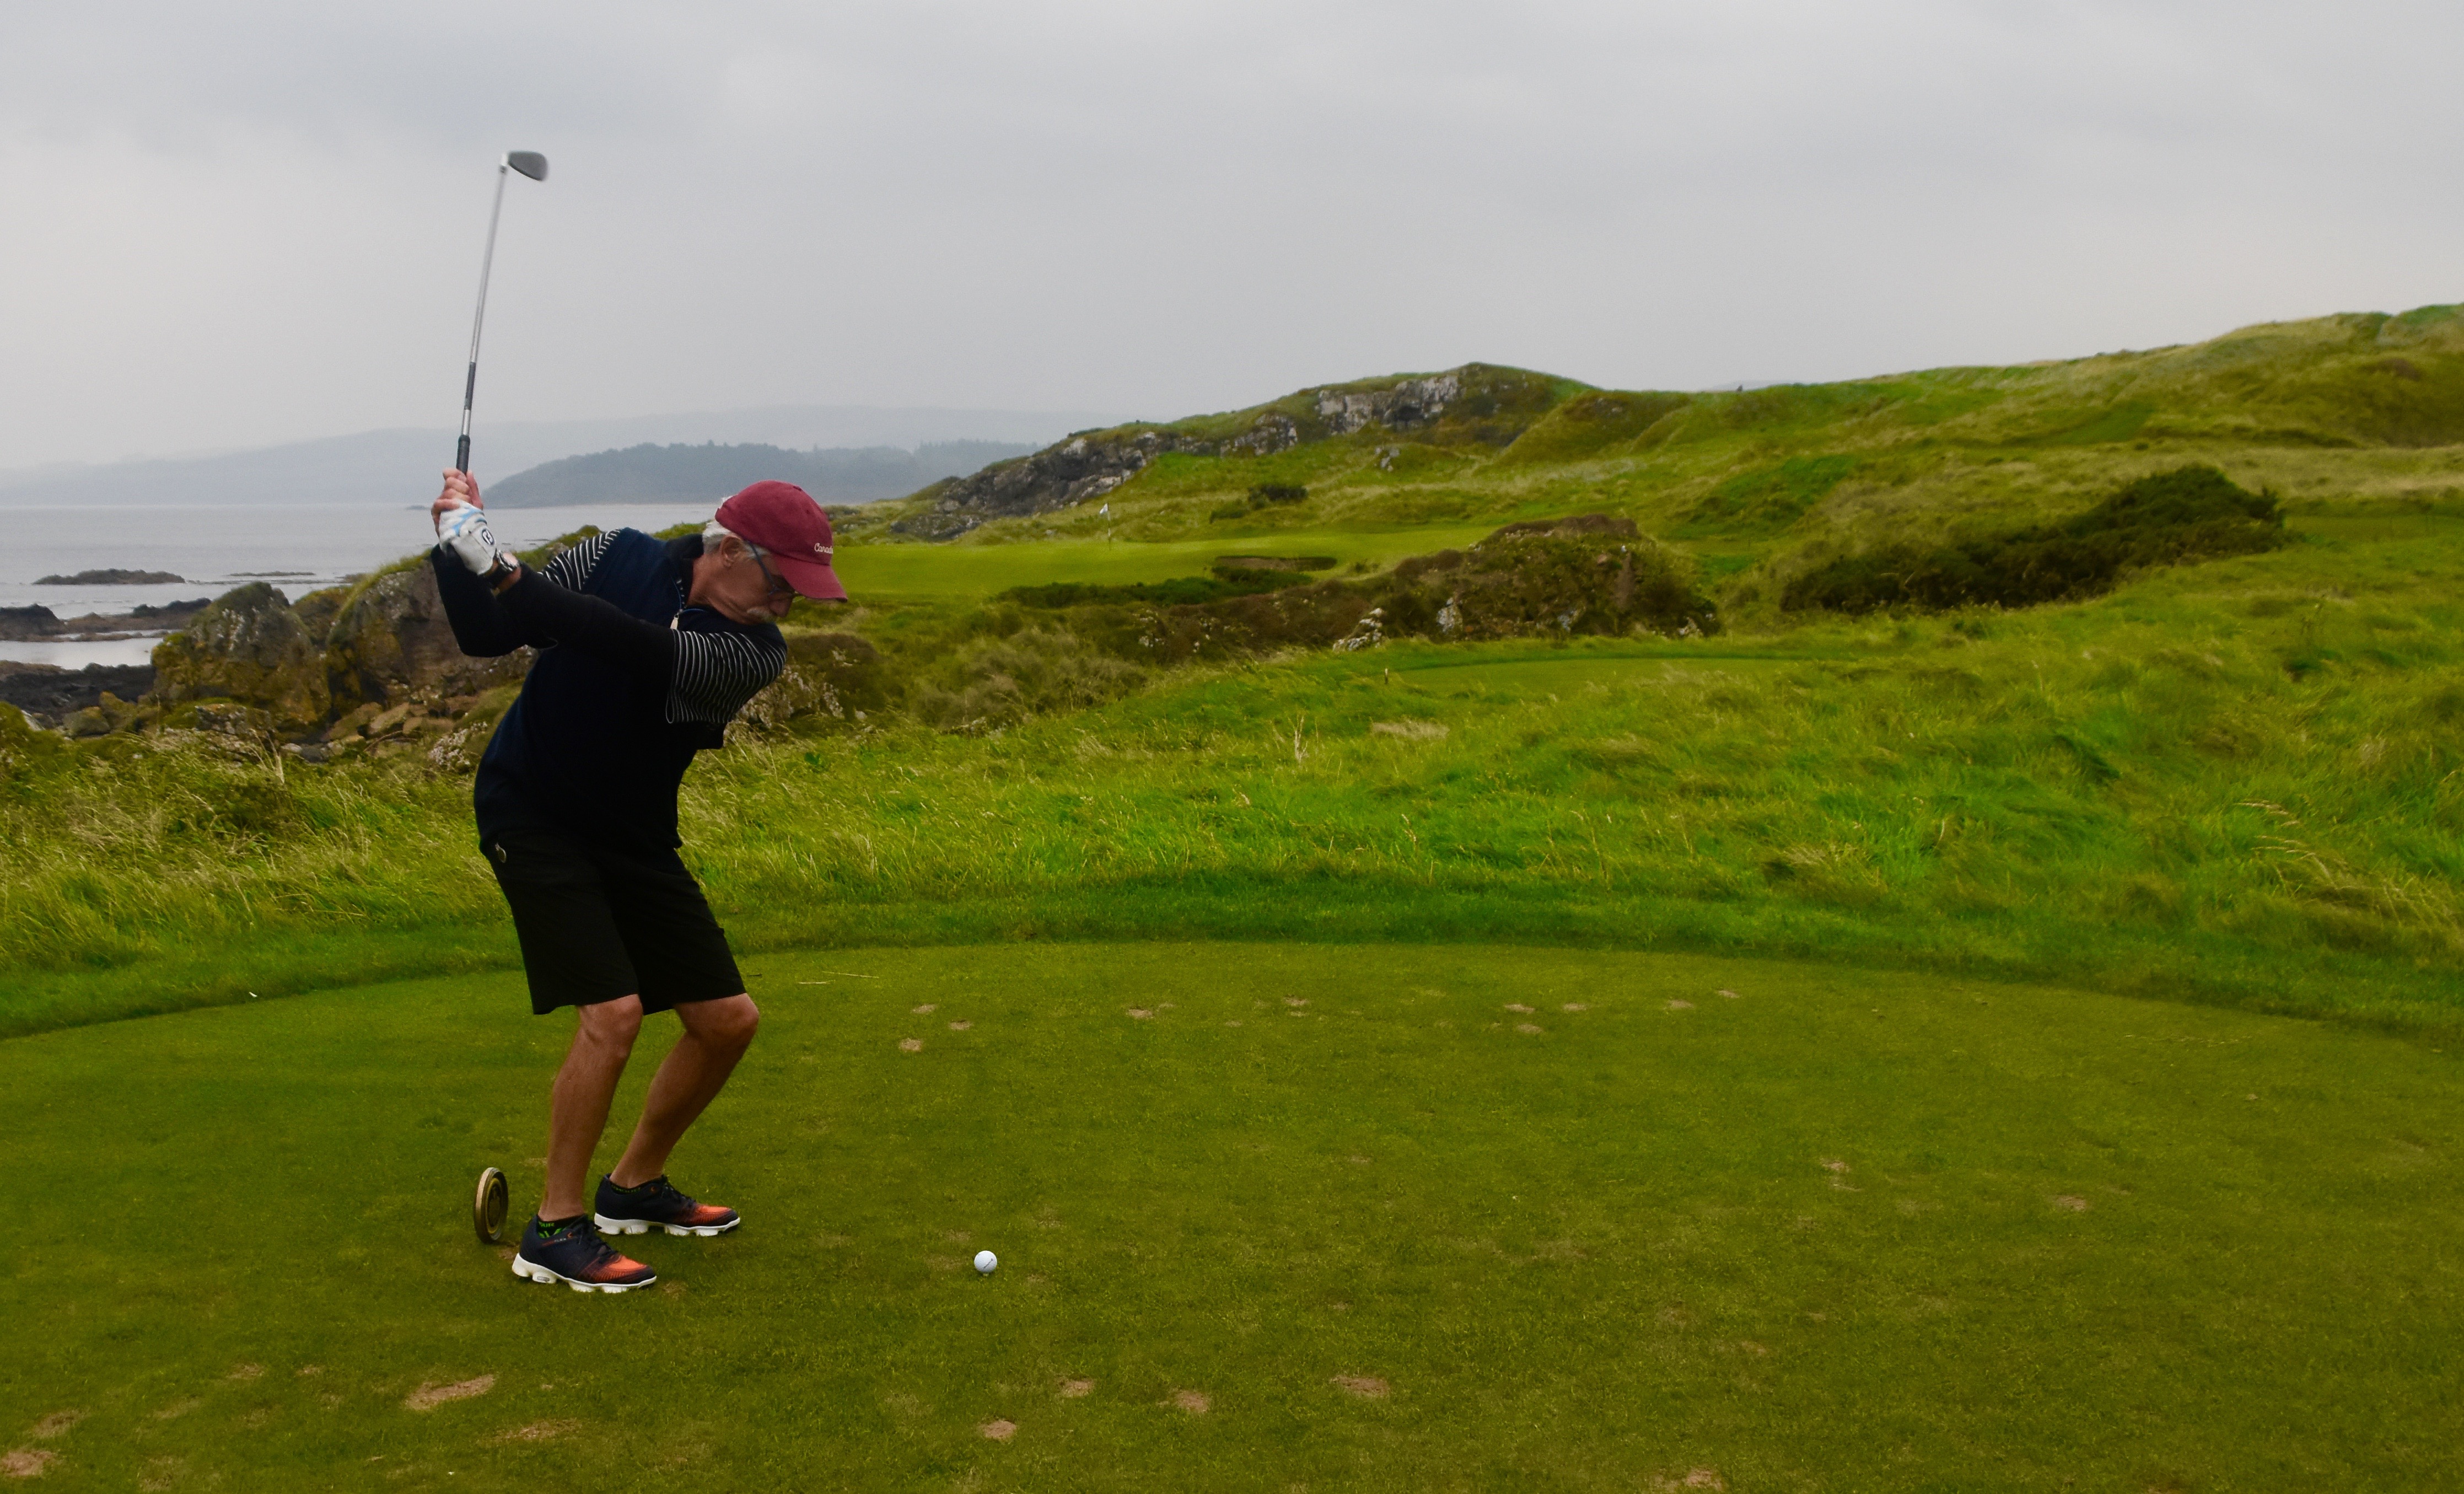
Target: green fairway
{"type": "Point", "coordinates": [879, 573]}
{"type": "Point", "coordinates": [1270, 1216]}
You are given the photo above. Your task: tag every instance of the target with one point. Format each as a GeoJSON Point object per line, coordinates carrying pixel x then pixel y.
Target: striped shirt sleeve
{"type": "Point", "coordinates": [715, 673]}
{"type": "Point", "coordinates": [571, 569]}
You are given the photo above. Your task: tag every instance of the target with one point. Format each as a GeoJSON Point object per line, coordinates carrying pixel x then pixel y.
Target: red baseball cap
{"type": "Point", "coordinates": [783, 519]}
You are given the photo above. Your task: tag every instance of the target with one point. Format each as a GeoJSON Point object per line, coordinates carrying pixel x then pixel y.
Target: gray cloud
{"type": "Point", "coordinates": [251, 222]}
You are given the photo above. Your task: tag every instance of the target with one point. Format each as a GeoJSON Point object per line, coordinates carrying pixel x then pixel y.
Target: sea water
{"type": "Point", "coordinates": [296, 547]}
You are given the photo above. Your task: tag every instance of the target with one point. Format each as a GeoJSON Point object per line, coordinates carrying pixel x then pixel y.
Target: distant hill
{"type": "Point", "coordinates": [685, 474]}
{"type": "Point", "coordinates": [2362, 411]}
{"type": "Point", "coordinates": [400, 467]}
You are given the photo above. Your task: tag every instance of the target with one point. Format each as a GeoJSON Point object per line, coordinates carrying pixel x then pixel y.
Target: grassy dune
{"type": "Point", "coordinates": [1371, 1217]}
{"type": "Point", "coordinates": [2230, 783]}
{"type": "Point", "coordinates": [2338, 413]}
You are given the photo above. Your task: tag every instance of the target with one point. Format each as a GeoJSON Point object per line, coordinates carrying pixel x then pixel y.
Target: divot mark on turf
{"type": "Point", "coordinates": [1680, 1006]}
{"type": "Point", "coordinates": [961, 1026]}
{"type": "Point", "coordinates": [1529, 1027]}
{"type": "Point", "coordinates": [1731, 995]}
{"type": "Point", "coordinates": [911, 1045]}
{"type": "Point", "coordinates": [1141, 1013]}
{"type": "Point", "coordinates": [309, 1372]}
{"type": "Point", "coordinates": [924, 1010]}
{"type": "Point", "coordinates": [1296, 1001]}
{"type": "Point", "coordinates": [57, 1424]}
{"type": "Point", "coordinates": [1518, 1006]}
{"type": "Point", "coordinates": [246, 1372]}
{"type": "Point", "coordinates": [1575, 1007]}
{"type": "Point", "coordinates": [999, 1430]}
{"type": "Point", "coordinates": [1832, 1164]}
{"type": "Point", "coordinates": [1071, 1390]}
{"type": "Point", "coordinates": [27, 1462]}
{"type": "Point", "coordinates": [1368, 1387]}
{"type": "Point", "coordinates": [430, 1396]}
{"type": "Point", "coordinates": [177, 1408]}
{"type": "Point", "coordinates": [1194, 1403]}
{"type": "Point", "coordinates": [2071, 1201]}
{"type": "Point", "coordinates": [1234, 1022]}
{"type": "Point", "coordinates": [537, 1432]}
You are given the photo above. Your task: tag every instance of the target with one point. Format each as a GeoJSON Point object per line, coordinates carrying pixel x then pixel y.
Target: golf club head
{"type": "Point", "coordinates": [529, 162]}
{"type": "Point", "coordinates": [489, 1206]}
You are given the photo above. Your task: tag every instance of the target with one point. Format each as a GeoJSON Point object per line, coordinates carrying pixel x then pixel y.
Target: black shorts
{"type": "Point", "coordinates": [598, 925]}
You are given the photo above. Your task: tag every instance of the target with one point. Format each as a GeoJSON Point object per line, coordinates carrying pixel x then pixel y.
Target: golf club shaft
{"type": "Point", "coordinates": [471, 379]}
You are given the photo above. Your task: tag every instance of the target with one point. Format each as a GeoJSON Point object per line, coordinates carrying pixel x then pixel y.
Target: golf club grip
{"type": "Point", "coordinates": [462, 456]}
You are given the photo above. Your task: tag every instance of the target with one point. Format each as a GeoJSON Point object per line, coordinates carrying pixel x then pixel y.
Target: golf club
{"type": "Point", "coordinates": [530, 164]}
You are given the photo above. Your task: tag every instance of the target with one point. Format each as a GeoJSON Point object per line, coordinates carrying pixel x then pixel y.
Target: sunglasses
{"type": "Point", "coordinates": [778, 588]}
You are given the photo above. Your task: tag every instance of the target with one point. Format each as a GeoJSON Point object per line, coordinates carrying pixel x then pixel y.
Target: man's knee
{"type": "Point", "coordinates": [728, 1023]}
{"type": "Point", "coordinates": [615, 1024]}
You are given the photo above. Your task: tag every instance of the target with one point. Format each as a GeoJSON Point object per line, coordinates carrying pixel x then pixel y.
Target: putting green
{"type": "Point", "coordinates": [1351, 1217]}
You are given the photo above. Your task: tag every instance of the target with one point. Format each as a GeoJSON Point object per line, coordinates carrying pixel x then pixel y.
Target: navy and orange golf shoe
{"type": "Point", "coordinates": [658, 1205]}
{"type": "Point", "coordinates": [576, 1256]}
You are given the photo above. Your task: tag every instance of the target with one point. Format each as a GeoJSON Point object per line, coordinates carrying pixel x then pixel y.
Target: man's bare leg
{"type": "Point", "coordinates": [603, 1040]}
{"type": "Point", "coordinates": [716, 1034]}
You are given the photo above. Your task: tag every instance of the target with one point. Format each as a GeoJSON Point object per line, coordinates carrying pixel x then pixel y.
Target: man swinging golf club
{"type": "Point", "coordinates": [647, 649]}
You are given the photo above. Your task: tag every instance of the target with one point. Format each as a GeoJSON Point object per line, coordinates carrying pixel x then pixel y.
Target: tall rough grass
{"type": "Point", "coordinates": [2238, 782]}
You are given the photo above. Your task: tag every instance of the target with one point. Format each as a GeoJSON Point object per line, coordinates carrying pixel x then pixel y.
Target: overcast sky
{"type": "Point", "coordinates": [225, 225]}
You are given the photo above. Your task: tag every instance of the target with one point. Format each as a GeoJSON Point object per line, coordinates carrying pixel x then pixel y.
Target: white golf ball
{"type": "Point", "coordinates": [985, 1260]}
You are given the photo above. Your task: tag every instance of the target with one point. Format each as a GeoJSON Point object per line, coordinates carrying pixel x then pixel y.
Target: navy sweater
{"type": "Point", "coordinates": [630, 682]}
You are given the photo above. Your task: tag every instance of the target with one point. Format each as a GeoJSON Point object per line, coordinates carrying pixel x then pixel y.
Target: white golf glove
{"type": "Point", "coordinates": [465, 532]}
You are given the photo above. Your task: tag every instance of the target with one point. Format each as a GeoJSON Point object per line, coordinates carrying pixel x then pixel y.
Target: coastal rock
{"type": "Point", "coordinates": [24, 625]}
{"type": "Point", "coordinates": [114, 578]}
{"type": "Point", "coordinates": [53, 692]}
{"type": "Point", "coordinates": [247, 646]}
{"type": "Point", "coordinates": [391, 642]}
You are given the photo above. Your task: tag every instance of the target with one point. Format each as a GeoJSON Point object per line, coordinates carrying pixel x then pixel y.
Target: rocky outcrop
{"type": "Point", "coordinates": [21, 625]}
{"type": "Point", "coordinates": [247, 646]}
{"type": "Point", "coordinates": [1475, 404]}
{"type": "Point", "coordinates": [834, 674]}
{"type": "Point", "coordinates": [1413, 405]}
{"type": "Point", "coordinates": [49, 691]}
{"type": "Point", "coordinates": [113, 578]}
{"type": "Point", "coordinates": [1591, 575]}
{"type": "Point", "coordinates": [18, 625]}
{"type": "Point", "coordinates": [1057, 478]}
{"type": "Point", "coordinates": [390, 643]}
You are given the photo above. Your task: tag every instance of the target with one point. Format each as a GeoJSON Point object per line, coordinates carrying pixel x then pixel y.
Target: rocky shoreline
{"type": "Point", "coordinates": [369, 667]}
{"type": "Point", "coordinates": [48, 693]}
{"type": "Point", "coordinates": [41, 625]}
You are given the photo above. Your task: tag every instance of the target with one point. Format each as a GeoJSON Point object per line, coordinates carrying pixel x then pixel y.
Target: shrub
{"type": "Point", "coordinates": [1001, 681]}
{"type": "Point", "coordinates": [2191, 514]}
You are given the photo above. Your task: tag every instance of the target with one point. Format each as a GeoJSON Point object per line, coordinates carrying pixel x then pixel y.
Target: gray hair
{"type": "Point", "coordinates": [713, 532]}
